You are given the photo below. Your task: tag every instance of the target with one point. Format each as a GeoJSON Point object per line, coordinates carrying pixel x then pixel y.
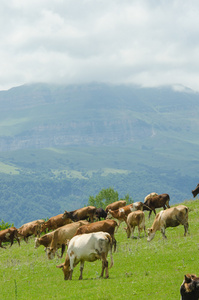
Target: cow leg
{"type": "Point", "coordinates": [119, 222]}
{"type": "Point", "coordinates": [81, 269]}
{"type": "Point", "coordinates": [186, 226]}
{"type": "Point", "coordinates": [71, 274]}
{"type": "Point", "coordinates": [139, 229]}
{"type": "Point", "coordinates": [63, 247]}
{"type": "Point", "coordinates": [104, 265]}
{"type": "Point", "coordinates": [150, 214]}
{"type": "Point", "coordinates": [132, 232]}
{"type": "Point", "coordinates": [163, 233]}
{"type": "Point", "coordinates": [114, 243]}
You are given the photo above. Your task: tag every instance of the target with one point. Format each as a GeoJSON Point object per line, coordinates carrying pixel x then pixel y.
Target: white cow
{"type": "Point", "coordinates": [170, 217]}
{"type": "Point", "coordinates": [87, 247]}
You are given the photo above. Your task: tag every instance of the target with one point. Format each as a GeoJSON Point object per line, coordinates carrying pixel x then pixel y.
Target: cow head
{"type": "Point", "coordinates": [66, 268]}
{"type": "Point", "coordinates": [195, 191]}
{"type": "Point", "coordinates": [189, 289]}
{"type": "Point", "coordinates": [151, 234]}
{"type": "Point", "coordinates": [109, 214]}
{"type": "Point", "coordinates": [50, 252]}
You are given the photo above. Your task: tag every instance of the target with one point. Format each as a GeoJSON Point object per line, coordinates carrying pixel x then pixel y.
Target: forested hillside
{"type": "Point", "coordinates": [61, 144]}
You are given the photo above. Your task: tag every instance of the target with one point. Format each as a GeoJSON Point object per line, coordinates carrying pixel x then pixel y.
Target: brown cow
{"type": "Point", "coordinates": [105, 226]}
{"type": "Point", "coordinates": [135, 218]}
{"type": "Point", "coordinates": [61, 236]}
{"type": "Point", "coordinates": [115, 205]}
{"type": "Point", "coordinates": [83, 213]}
{"type": "Point", "coordinates": [122, 213]}
{"type": "Point", "coordinates": [149, 196]}
{"type": "Point", "coordinates": [55, 222]}
{"type": "Point", "coordinates": [189, 289]}
{"type": "Point", "coordinates": [156, 202]}
{"type": "Point", "coordinates": [30, 228]}
{"type": "Point", "coordinates": [8, 235]}
{"type": "Point", "coordinates": [170, 217]}
{"type": "Point", "coordinates": [45, 240]}
{"type": "Point", "coordinates": [196, 191]}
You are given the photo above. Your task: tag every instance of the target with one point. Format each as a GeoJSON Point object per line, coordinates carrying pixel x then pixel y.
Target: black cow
{"type": "Point", "coordinates": [100, 213]}
{"type": "Point", "coordinates": [189, 289]}
{"type": "Point", "coordinates": [196, 191]}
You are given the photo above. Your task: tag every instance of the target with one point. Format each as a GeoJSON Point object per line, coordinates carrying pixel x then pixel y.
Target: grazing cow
{"type": "Point", "coordinates": [100, 213]}
{"type": "Point", "coordinates": [156, 202]}
{"type": "Point", "coordinates": [115, 205]}
{"type": "Point", "coordinates": [8, 235]}
{"type": "Point", "coordinates": [189, 289]}
{"type": "Point", "coordinates": [31, 228]}
{"type": "Point", "coordinates": [45, 240]}
{"type": "Point", "coordinates": [83, 213]}
{"type": "Point", "coordinates": [196, 191]}
{"type": "Point", "coordinates": [170, 217]}
{"type": "Point", "coordinates": [135, 218]}
{"type": "Point", "coordinates": [87, 247]}
{"type": "Point", "coordinates": [122, 213]}
{"type": "Point", "coordinates": [149, 196]}
{"type": "Point", "coordinates": [55, 222]}
{"type": "Point", "coordinates": [105, 226]}
{"type": "Point", "coordinates": [61, 236]}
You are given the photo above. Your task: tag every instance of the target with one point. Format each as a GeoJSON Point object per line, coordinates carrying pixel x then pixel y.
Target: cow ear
{"type": "Point", "coordinates": [60, 266]}
{"type": "Point", "coordinates": [187, 278]}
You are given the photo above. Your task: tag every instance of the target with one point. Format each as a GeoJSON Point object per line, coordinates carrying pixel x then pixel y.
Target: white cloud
{"type": "Point", "coordinates": [149, 43]}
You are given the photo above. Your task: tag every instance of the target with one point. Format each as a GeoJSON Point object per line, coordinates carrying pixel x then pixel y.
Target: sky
{"type": "Point", "coordinates": [149, 43]}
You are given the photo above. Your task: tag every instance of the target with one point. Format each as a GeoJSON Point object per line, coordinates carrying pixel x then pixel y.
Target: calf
{"type": "Point", "coordinates": [189, 289]}
{"type": "Point", "coordinates": [87, 247]}
{"type": "Point", "coordinates": [8, 235]}
{"type": "Point", "coordinates": [83, 213]}
{"type": "Point", "coordinates": [61, 236]}
{"type": "Point", "coordinates": [156, 202]}
{"type": "Point", "coordinates": [196, 191]}
{"type": "Point", "coordinates": [122, 213]}
{"type": "Point", "coordinates": [115, 205]}
{"type": "Point", "coordinates": [135, 218]}
{"type": "Point", "coordinates": [170, 217]}
{"type": "Point", "coordinates": [105, 226]}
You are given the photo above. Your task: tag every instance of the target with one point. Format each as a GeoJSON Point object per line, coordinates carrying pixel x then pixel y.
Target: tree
{"type": "Point", "coordinates": [107, 196]}
{"type": "Point", "coordinates": [4, 225]}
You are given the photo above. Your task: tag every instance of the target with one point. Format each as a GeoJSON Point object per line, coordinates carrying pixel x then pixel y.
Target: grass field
{"type": "Point", "coordinates": [141, 270]}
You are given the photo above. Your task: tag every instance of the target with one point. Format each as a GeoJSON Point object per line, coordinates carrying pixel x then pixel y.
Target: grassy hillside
{"type": "Point", "coordinates": [141, 270]}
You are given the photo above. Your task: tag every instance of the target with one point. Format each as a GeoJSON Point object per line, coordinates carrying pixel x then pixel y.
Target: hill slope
{"type": "Point", "coordinates": [141, 270]}
{"type": "Point", "coordinates": [61, 144]}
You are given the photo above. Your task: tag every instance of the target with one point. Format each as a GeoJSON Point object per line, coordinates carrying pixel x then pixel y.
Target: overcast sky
{"type": "Point", "coordinates": [143, 42]}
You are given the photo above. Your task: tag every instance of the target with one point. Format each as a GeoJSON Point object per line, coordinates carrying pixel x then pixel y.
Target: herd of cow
{"type": "Point", "coordinates": [89, 238]}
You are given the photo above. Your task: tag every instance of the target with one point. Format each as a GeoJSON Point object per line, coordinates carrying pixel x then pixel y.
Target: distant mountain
{"type": "Point", "coordinates": [39, 115]}
{"type": "Point", "coordinates": [61, 144]}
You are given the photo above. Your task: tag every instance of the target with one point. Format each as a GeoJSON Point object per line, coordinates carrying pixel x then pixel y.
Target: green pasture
{"type": "Point", "coordinates": [141, 270]}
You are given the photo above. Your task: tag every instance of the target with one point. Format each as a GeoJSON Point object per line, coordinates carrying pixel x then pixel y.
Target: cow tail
{"type": "Point", "coordinates": [110, 249]}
